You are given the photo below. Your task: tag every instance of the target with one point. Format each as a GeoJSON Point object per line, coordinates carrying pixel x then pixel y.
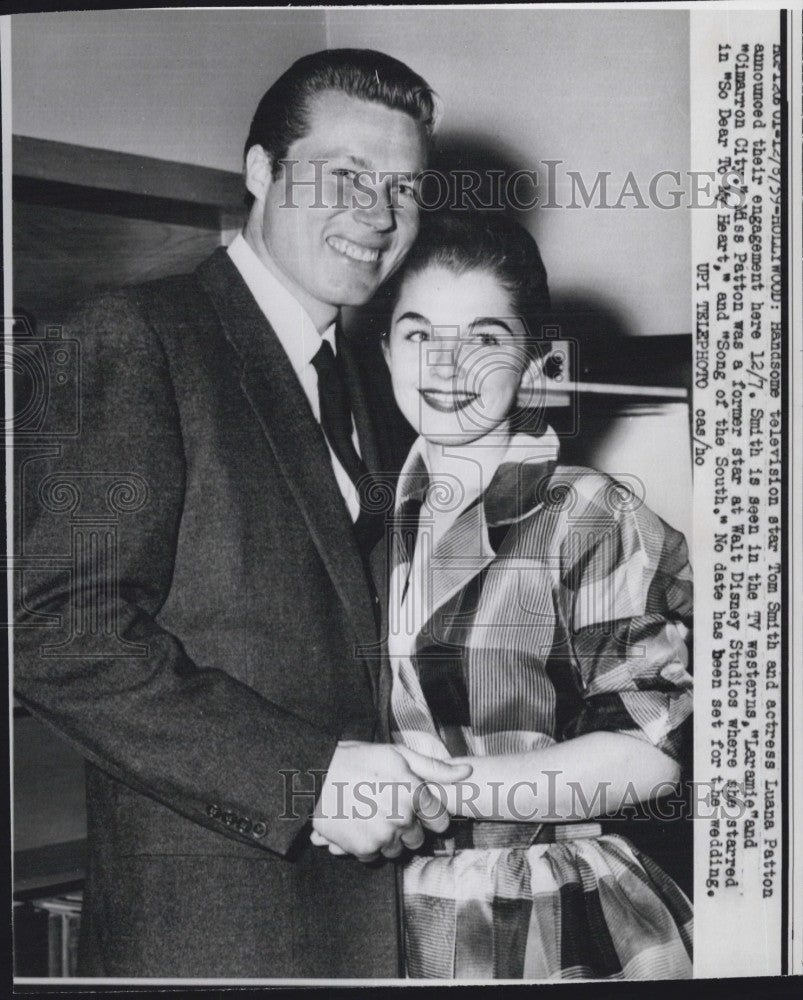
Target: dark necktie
{"type": "Point", "coordinates": [336, 411]}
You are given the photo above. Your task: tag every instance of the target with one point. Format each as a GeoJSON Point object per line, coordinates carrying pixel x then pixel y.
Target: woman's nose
{"type": "Point", "coordinates": [441, 357]}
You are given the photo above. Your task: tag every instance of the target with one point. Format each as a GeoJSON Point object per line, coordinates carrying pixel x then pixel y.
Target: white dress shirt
{"type": "Point", "coordinates": [300, 339]}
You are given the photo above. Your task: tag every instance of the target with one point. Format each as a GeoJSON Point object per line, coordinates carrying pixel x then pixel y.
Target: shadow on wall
{"type": "Point", "coordinates": [604, 352]}
{"type": "Point", "coordinates": [481, 174]}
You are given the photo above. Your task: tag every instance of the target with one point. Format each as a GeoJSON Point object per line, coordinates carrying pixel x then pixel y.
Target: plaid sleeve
{"type": "Point", "coordinates": [626, 596]}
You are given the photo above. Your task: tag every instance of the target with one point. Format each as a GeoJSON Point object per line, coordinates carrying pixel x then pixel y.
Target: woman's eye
{"type": "Point", "coordinates": [417, 336]}
{"type": "Point", "coordinates": [486, 339]}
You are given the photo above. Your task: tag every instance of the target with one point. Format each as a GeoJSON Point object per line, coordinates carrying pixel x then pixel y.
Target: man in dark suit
{"type": "Point", "coordinates": [196, 622]}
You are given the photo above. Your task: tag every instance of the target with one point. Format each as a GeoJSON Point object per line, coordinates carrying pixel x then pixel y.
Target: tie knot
{"type": "Point", "coordinates": [324, 360]}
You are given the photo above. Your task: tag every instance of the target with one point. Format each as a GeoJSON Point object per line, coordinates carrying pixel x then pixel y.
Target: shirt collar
{"type": "Point", "coordinates": [521, 481]}
{"type": "Point", "coordinates": [516, 486]}
{"type": "Point", "coordinates": [297, 333]}
{"type": "Point", "coordinates": [414, 477]}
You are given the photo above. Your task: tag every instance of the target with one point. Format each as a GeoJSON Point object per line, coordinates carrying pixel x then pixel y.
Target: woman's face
{"type": "Point", "coordinates": [456, 354]}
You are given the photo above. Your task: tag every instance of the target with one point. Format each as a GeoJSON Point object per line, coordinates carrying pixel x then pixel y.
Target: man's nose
{"type": "Point", "coordinates": [378, 213]}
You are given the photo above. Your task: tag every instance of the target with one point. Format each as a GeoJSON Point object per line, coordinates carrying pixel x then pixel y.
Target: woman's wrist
{"type": "Point", "coordinates": [477, 797]}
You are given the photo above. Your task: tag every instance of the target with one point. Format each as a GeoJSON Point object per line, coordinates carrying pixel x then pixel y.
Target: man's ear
{"type": "Point", "coordinates": [258, 174]}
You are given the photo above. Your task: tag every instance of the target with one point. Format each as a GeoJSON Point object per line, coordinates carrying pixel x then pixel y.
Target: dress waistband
{"type": "Point", "coordinates": [468, 834]}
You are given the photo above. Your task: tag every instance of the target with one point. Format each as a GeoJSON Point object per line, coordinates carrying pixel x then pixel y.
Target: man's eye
{"type": "Point", "coordinates": [417, 336]}
{"type": "Point", "coordinates": [344, 172]}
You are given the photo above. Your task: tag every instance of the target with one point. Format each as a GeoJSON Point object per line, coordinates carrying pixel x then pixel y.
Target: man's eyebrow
{"type": "Point", "coordinates": [368, 167]}
{"type": "Point", "coordinates": [491, 321]}
{"type": "Point", "coordinates": [344, 154]}
{"type": "Point", "coordinates": [414, 316]}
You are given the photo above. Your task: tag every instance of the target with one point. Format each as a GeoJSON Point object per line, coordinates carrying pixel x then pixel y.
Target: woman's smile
{"type": "Point", "coordinates": [447, 400]}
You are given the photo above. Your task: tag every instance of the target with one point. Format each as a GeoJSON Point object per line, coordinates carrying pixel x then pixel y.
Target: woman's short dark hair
{"type": "Point", "coordinates": [282, 116]}
{"type": "Point", "coordinates": [463, 241]}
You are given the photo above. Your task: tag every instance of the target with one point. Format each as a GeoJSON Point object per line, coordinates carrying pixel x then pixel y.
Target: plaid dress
{"type": "Point", "coordinates": [552, 604]}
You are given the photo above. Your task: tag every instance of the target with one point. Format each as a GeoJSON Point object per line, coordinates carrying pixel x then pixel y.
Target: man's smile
{"type": "Point", "coordinates": [354, 251]}
{"type": "Point", "coordinates": [447, 401]}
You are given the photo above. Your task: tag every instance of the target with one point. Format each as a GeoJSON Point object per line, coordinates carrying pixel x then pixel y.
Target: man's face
{"type": "Point", "coordinates": [335, 230]}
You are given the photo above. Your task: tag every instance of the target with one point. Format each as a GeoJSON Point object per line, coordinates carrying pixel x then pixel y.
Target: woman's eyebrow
{"type": "Point", "coordinates": [491, 321]}
{"type": "Point", "coordinates": [414, 316]}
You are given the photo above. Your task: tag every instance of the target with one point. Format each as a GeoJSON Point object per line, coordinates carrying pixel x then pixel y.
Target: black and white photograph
{"type": "Point", "coordinates": [401, 528]}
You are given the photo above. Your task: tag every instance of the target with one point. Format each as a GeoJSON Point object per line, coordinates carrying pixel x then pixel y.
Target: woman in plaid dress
{"type": "Point", "coordinates": [538, 624]}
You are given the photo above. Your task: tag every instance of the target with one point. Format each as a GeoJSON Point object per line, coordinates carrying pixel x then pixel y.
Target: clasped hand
{"type": "Point", "coordinates": [375, 800]}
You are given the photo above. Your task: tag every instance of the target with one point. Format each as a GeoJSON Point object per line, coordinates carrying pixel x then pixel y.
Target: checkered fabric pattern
{"type": "Point", "coordinates": [593, 907]}
{"type": "Point", "coordinates": [556, 604]}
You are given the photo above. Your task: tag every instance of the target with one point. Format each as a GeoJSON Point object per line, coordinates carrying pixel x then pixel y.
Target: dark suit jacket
{"type": "Point", "coordinates": [207, 654]}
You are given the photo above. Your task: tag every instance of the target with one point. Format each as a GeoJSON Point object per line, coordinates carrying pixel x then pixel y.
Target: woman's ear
{"type": "Point", "coordinates": [257, 172]}
{"type": "Point", "coordinates": [385, 341]}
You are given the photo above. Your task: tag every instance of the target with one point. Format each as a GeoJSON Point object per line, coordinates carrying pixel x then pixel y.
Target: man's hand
{"type": "Point", "coordinates": [375, 800]}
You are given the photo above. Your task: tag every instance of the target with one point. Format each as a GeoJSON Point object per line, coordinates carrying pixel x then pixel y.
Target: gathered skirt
{"type": "Point", "coordinates": [592, 908]}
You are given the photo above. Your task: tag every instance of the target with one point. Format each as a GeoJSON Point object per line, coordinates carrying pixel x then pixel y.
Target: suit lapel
{"type": "Point", "coordinates": [284, 414]}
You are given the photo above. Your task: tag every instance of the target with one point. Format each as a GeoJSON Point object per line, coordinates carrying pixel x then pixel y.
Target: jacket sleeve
{"type": "Point", "coordinates": [98, 515]}
{"type": "Point", "coordinates": [626, 598]}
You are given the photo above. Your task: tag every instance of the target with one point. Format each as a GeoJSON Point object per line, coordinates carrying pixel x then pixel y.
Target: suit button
{"type": "Point", "coordinates": [213, 811]}
{"type": "Point", "coordinates": [376, 600]}
{"type": "Point", "coordinates": [258, 830]}
{"type": "Point", "coordinates": [244, 826]}
{"type": "Point", "coordinates": [229, 818]}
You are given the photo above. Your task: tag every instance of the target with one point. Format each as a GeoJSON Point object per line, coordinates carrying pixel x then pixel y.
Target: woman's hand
{"type": "Point", "coordinates": [573, 781]}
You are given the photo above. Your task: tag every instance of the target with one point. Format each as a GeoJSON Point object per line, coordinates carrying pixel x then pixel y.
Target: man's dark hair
{"type": "Point", "coordinates": [463, 241]}
{"type": "Point", "coordinates": [282, 115]}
